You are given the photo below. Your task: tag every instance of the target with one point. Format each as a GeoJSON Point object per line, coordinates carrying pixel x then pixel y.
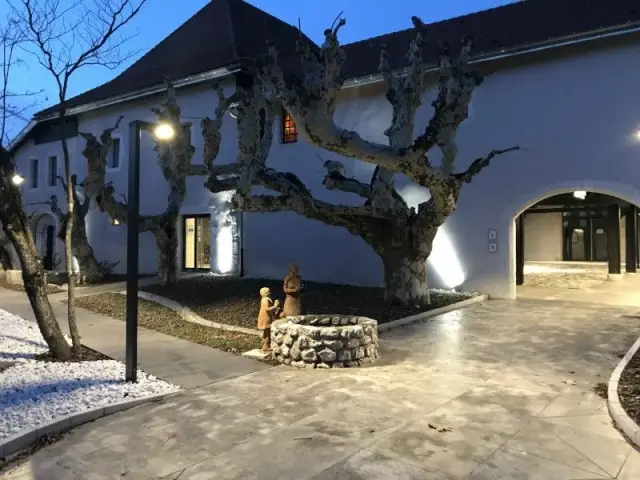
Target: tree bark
{"type": "Point", "coordinates": [90, 269]}
{"type": "Point", "coordinates": [68, 245]}
{"type": "Point", "coordinates": [167, 245]}
{"type": "Point", "coordinates": [405, 277]}
{"type": "Point", "coordinates": [15, 224]}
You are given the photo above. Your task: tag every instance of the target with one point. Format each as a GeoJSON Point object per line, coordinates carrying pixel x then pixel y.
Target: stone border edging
{"type": "Point", "coordinates": [189, 315]}
{"type": "Point", "coordinates": [25, 438]}
{"type": "Point", "coordinates": [419, 317]}
{"type": "Point", "coordinates": [617, 413]}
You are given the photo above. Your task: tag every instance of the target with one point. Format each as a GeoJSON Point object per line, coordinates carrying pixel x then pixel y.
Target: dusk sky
{"type": "Point", "coordinates": [159, 18]}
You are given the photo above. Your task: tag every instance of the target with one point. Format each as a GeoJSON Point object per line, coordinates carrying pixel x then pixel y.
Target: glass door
{"type": "Point", "coordinates": [197, 242]}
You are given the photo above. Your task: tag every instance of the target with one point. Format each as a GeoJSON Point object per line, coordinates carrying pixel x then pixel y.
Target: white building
{"type": "Point", "coordinates": [561, 81]}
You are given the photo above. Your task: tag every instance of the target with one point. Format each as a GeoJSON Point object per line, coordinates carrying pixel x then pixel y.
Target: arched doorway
{"type": "Point", "coordinates": [44, 234]}
{"type": "Point", "coordinates": [569, 243]}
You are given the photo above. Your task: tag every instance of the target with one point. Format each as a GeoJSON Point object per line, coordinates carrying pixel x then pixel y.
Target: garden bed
{"type": "Point", "coordinates": [629, 388]}
{"type": "Point", "coordinates": [164, 320]}
{"type": "Point", "coordinates": [36, 390]}
{"type": "Point", "coordinates": [236, 301]}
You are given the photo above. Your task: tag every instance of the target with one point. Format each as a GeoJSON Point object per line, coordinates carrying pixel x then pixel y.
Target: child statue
{"type": "Point", "coordinates": [266, 316]}
{"type": "Point", "coordinates": [292, 289]}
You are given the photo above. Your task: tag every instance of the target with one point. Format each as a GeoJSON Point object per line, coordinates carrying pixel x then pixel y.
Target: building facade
{"type": "Point", "coordinates": [569, 101]}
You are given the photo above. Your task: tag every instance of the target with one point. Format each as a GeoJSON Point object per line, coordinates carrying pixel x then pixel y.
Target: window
{"type": "Point", "coordinates": [289, 129]}
{"type": "Point", "coordinates": [52, 179]}
{"type": "Point", "coordinates": [33, 173]}
{"type": "Point", "coordinates": [113, 161]}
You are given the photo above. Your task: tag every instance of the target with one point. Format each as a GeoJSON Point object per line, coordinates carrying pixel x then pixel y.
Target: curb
{"type": "Point", "coordinates": [419, 317]}
{"type": "Point", "coordinates": [617, 413]}
{"type": "Point", "coordinates": [189, 315]}
{"type": "Point", "coordinates": [25, 438]}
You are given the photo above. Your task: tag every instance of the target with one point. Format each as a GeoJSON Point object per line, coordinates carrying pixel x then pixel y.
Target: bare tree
{"type": "Point", "coordinates": [63, 40]}
{"type": "Point", "coordinates": [174, 160]}
{"type": "Point", "coordinates": [400, 235]}
{"type": "Point", "coordinates": [15, 222]}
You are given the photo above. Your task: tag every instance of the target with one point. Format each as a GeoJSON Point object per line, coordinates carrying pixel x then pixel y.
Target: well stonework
{"type": "Point", "coordinates": [325, 341]}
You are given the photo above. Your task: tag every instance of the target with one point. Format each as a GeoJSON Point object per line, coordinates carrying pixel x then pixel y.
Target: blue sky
{"type": "Point", "coordinates": [158, 18]}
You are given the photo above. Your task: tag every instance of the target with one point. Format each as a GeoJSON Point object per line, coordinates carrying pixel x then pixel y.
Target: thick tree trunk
{"type": "Point", "coordinates": [405, 276]}
{"type": "Point", "coordinates": [16, 229]}
{"type": "Point", "coordinates": [167, 244]}
{"type": "Point", "coordinates": [90, 269]}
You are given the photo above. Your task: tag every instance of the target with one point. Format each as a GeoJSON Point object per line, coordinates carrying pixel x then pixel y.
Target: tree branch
{"type": "Point", "coordinates": [480, 164]}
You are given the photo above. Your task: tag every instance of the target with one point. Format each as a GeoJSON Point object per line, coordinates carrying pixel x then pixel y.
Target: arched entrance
{"type": "Point", "coordinates": [570, 242]}
{"type": "Point", "coordinates": [44, 234]}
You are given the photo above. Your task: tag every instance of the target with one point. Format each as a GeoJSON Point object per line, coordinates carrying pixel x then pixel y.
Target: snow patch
{"type": "Point", "coordinates": [33, 393]}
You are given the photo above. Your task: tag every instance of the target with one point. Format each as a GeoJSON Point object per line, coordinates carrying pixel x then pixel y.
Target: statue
{"type": "Point", "coordinates": [292, 289]}
{"type": "Point", "coordinates": [266, 316]}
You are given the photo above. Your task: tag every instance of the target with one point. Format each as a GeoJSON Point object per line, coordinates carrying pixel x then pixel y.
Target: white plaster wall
{"type": "Point", "coordinates": [578, 126]}
{"type": "Point", "coordinates": [576, 121]}
{"type": "Point", "coordinates": [107, 240]}
{"type": "Point", "coordinates": [543, 237]}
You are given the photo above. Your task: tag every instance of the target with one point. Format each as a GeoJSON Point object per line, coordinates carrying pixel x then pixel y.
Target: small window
{"type": "Point", "coordinates": [33, 173]}
{"type": "Point", "coordinates": [113, 161]}
{"type": "Point", "coordinates": [289, 129]}
{"type": "Point", "coordinates": [53, 171]}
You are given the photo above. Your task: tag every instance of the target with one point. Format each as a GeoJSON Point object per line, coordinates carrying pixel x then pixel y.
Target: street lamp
{"type": "Point", "coordinates": [163, 132]}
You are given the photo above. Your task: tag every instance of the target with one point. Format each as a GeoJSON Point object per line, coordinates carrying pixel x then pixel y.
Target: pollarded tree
{"type": "Point", "coordinates": [91, 269]}
{"type": "Point", "coordinates": [174, 160]}
{"type": "Point", "coordinates": [400, 235]}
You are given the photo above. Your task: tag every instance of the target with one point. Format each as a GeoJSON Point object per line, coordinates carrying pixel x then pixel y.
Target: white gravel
{"type": "Point", "coordinates": [33, 393]}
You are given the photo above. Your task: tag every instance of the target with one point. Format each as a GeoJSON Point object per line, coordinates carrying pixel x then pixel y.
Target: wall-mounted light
{"type": "Point", "coordinates": [163, 131]}
{"type": "Point", "coordinates": [233, 110]}
{"type": "Point", "coordinates": [580, 194]}
{"type": "Point", "coordinates": [17, 179]}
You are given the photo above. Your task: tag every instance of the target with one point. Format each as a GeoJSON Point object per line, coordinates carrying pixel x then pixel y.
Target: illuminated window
{"type": "Point", "coordinates": [289, 129]}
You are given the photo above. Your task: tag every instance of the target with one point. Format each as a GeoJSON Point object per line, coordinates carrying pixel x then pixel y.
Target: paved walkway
{"type": "Point", "coordinates": [177, 361]}
{"type": "Point", "coordinates": [513, 381]}
{"type": "Point", "coordinates": [572, 287]}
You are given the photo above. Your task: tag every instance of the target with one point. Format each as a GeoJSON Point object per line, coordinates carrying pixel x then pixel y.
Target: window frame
{"type": "Point", "coordinates": [31, 177]}
{"type": "Point", "coordinates": [287, 124]}
{"type": "Point", "coordinates": [57, 173]}
{"type": "Point", "coordinates": [118, 138]}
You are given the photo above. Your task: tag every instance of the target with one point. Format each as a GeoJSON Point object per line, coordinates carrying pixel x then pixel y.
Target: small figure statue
{"type": "Point", "coordinates": [266, 316]}
{"type": "Point", "coordinates": [292, 289]}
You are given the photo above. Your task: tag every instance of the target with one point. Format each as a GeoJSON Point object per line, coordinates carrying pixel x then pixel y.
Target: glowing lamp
{"type": "Point", "coordinates": [164, 131]}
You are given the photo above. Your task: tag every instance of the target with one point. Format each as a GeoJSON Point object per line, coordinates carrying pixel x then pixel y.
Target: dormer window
{"type": "Point", "coordinates": [289, 128]}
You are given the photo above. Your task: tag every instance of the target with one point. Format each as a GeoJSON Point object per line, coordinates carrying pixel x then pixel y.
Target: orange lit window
{"type": "Point", "coordinates": [289, 129]}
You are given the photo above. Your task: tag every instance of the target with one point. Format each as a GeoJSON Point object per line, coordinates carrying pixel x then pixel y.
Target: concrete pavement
{"type": "Point", "coordinates": [177, 361]}
{"type": "Point", "coordinates": [499, 391]}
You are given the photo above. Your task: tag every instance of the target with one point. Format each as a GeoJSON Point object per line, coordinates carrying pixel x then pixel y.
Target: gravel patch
{"type": "Point", "coordinates": [235, 301]}
{"type": "Point", "coordinates": [164, 320]}
{"type": "Point", "coordinates": [34, 392]}
{"type": "Point", "coordinates": [629, 388]}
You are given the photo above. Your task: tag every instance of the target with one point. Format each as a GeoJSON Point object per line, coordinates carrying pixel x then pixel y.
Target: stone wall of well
{"type": "Point", "coordinates": [325, 341]}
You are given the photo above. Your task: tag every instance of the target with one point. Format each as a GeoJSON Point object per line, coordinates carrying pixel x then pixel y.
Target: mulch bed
{"type": "Point", "coordinates": [86, 355]}
{"type": "Point", "coordinates": [629, 388]}
{"type": "Point", "coordinates": [235, 301]}
{"type": "Point", "coordinates": [164, 320]}
{"type": "Point", "coordinates": [20, 288]}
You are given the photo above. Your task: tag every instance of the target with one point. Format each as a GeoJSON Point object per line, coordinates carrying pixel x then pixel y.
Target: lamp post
{"type": "Point", "coordinates": [162, 132]}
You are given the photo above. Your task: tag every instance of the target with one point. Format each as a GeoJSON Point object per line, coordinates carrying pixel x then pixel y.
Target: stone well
{"type": "Point", "coordinates": [325, 341]}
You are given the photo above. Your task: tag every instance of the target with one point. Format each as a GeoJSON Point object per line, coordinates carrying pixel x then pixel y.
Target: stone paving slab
{"type": "Point", "coordinates": [172, 359]}
{"type": "Point", "coordinates": [498, 376]}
